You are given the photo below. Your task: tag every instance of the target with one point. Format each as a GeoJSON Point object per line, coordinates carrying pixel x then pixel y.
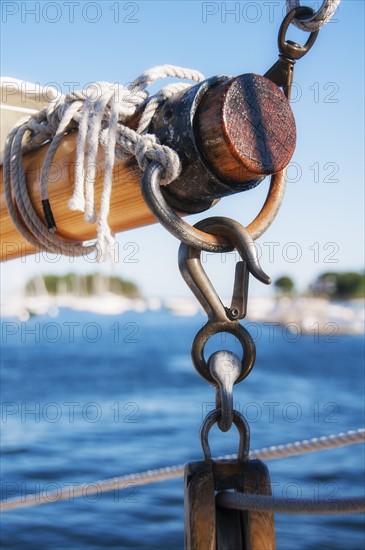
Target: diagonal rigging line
{"type": "Point", "coordinates": [172, 472]}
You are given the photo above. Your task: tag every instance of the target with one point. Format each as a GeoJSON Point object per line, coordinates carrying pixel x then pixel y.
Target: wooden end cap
{"type": "Point", "coordinates": [245, 128]}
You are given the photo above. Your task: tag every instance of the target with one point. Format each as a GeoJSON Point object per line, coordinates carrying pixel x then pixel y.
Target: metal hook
{"type": "Point", "coordinates": [192, 271]}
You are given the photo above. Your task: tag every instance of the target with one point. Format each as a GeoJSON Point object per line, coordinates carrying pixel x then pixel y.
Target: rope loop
{"type": "Point", "coordinates": [100, 113]}
{"type": "Point", "coordinates": [319, 19]}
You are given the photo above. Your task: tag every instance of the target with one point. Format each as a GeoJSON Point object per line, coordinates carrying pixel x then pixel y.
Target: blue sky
{"type": "Point", "coordinates": [320, 226]}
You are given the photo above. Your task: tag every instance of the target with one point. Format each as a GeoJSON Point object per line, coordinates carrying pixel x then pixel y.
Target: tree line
{"type": "Point", "coordinates": [82, 285]}
{"type": "Point", "coordinates": [331, 284]}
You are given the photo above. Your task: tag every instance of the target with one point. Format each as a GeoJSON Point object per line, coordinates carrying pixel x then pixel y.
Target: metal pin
{"type": "Point", "coordinates": [225, 367]}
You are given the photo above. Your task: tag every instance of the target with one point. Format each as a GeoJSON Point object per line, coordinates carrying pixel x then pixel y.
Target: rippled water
{"type": "Point", "coordinates": [86, 398]}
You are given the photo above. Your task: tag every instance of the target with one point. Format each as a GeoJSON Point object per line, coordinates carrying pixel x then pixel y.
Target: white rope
{"type": "Point", "coordinates": [320, 18]}
{"type": "Point", "coordinates": [244, 501]}
{"type": "Point", "coordinates": [311, 445]}
{"type": "Point", "coordinates": [100, 113]}
{"type": "Point", "coordinates": [172, 472]}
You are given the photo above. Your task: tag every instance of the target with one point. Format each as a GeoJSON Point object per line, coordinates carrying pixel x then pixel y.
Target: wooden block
{"type": "Point", "coordinates": [260, 527]}
{"type": "Point", "coordinates": [199, 506]}
{"type": "Point", "coordinates": [228, 474]}
{"type": "Point", "coordinates": [257, 528]}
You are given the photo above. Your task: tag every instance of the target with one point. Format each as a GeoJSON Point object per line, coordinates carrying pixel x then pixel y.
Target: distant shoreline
{"type": "Point", "coordinates": [302, 313]}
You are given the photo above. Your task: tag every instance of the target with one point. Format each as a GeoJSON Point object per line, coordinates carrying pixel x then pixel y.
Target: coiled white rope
{"type": "Point", "coordinates": [320, 18]}
{"type": "Point", "coordinates": [172, 472]}
{"type": "Point", "coordinates": [101, 113]}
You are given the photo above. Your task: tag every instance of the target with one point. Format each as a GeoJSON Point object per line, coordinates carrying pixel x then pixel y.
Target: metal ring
{"type": "Point", "coordinates": [200, 239]}
{"type": "Point", "coordinates": [287, 47]}
{"type": "Point", "coordinates": [232, 327]}
{"type": "Point", "coordinates": [242, 427]}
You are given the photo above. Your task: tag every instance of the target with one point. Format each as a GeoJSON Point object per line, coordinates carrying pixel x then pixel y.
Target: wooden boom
{"type": "Point", "coordinates": [229, 134]}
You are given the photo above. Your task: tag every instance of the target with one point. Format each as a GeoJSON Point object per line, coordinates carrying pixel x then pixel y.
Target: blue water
{"type": "Point", "coordinates": [90, 397]}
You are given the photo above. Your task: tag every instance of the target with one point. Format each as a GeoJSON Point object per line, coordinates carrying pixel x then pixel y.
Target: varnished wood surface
{"type": "Point", "coordinates": [211, 528]}
{"type": "Point", "coordinates": [127, 207]}
{"type": "Point", "coordinates": [199, 507]}
{"type": "Point", "coordinates": [257, 528]}
{"type": "Point", "coordinates": [260, 525]}
{"type": "Point", "coordinates": [248, 129]}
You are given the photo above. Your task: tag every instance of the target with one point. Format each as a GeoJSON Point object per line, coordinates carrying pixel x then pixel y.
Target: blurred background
{"type": "Point", "coordinates": [97, 379]}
